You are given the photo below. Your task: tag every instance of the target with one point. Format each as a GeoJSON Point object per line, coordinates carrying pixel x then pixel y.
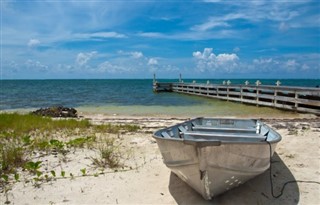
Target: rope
{"type": "Point", "coordinates": [285, 184]}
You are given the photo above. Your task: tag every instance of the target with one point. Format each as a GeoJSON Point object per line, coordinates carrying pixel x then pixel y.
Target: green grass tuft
{"type": "Point", "coordinates": [23, 135]}
{"type": "Point", "coordinates": [11, 157]}
{"type": "Point", "coordinates": [109, 155]}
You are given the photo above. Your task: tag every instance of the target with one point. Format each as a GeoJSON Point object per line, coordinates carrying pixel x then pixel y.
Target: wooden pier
{"type": "Point", "coordinates": [300, 99]}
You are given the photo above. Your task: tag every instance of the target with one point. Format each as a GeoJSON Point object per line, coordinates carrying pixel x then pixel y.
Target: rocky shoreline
{"type": "Point", "coordinates": [57, 111]}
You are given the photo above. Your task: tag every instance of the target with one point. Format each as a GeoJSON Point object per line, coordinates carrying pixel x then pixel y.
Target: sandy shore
{"type": "Point", "coordinates": [146, 180]}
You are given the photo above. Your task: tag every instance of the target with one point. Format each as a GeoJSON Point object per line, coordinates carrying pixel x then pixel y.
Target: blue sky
{"type": "Point", "coordinates": [134, 39]}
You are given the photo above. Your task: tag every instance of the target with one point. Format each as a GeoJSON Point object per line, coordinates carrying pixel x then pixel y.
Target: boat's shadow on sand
{"type": "Point", "coordinates": [255, 191]}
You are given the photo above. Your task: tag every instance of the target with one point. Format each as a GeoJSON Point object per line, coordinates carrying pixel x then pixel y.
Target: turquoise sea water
{"type": "Point", "coordinates": [125, 97]}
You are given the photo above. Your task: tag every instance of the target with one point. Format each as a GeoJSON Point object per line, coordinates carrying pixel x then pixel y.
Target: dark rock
{"type": "Point", "coordinates": [56, 112]}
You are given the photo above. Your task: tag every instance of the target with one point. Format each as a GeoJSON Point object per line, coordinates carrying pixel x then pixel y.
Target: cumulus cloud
{"type": "Point", "coordinates": [12, 66]}
{"type": "Point", "coordinates": [65, 68]}
{"type": "Point", "coordinates": [153, 61]}
{"type": "Point", "coordinates": [208, 61]}
{"type": "Point", "coordinates": [263, 61]}
{"type": "Point", "coordinates": [283, 64]}
{"type": "Point", "coordinates": [83, 58]}
{"type": "Point", "coordinates": [108, 67]}
{"type": "Point", "coordinates": [137, 54]}
{"type": "Point", "coordinates": [291, 65]}
{"type": "Point", "coordinates": [33, 43]}
{"type": "Point", "coordinates": [265, 64]}
{"type": "Point", "coordinates": [36, 65]}
{"type": "Point", "coordinates": [133, 54]}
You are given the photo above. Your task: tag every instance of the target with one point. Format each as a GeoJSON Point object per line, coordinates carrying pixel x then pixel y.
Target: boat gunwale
{"type": "Point", "coordinates": [218, 142]}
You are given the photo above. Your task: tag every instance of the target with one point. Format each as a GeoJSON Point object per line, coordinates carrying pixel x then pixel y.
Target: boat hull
{"type": "Point", "coordinates": [213, 168]}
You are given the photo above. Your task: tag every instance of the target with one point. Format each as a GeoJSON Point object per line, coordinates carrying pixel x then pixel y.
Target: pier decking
{"type": "Point", "coordinates": [300, 99]}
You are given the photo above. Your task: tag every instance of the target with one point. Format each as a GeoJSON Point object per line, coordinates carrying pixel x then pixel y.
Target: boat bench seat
{"type": "Point", "coordinates": [224, 136]}
{"type": "Point", "coordinates": [224, 129]}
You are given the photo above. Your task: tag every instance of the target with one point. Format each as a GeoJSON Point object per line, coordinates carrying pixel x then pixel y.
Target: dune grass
{"type": "Point", "coordinates": [21, 135]}
{"type": "Point", "coordinates": [24, 124]}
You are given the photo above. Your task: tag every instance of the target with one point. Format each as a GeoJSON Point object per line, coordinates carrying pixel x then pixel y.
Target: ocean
{"type": "Point", "coordinates": [127, 97]}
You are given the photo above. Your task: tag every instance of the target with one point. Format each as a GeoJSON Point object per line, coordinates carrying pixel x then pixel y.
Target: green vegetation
{"type": "Point", "coordinates": [117, 128]}
{"type": "Point", "coordinates": [109, 155]}
{"type": "Point", "coordinates": [21, 124]}
{"type": "Point", "coordinates": [21, 136]}
{"type": "Point", "coordinates": [11, 156]}
{"type": "Point", "coordinates": [80, 142]}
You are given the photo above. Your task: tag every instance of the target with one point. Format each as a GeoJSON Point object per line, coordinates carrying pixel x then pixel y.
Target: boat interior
{"type": "Point", "coordinates": [227, 130]}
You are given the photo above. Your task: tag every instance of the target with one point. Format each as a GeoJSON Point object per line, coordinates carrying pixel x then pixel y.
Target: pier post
{"type": "Point", "coordinates": [275, 97]}
{"type": "Point", "coordinates": [296, 95]}
{"type": "Point", "coordinates": [227, 92]}
{"type": "Point", "coordinates": [228, 83]}
{"type": "Point", "coordinates": [257, 92]}
{"type": "Point", "coordinates": [241, 93]}
{"type": "Point", "coordinates": [154, 78]}
{"type": "Point", "coordinates": [278, 83]}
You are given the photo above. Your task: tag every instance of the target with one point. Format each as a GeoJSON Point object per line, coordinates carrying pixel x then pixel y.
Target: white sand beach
{"type": "Point", "coordinates": [146, 180]}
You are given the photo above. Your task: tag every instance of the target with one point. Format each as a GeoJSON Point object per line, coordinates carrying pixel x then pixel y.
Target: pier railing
{"type": "Point", "coordinates": [301, 99]}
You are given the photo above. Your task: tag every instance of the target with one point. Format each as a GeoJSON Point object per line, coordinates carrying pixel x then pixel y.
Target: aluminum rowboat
{"type": "Point", "coordinates": [215, 155]}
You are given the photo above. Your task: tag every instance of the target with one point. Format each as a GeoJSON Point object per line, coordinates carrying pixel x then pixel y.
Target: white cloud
{"type": "Point", "coordinates": [286, 64]}
{"type": "Point", "coordinates": [252, 11]}
{"type": "Point", "coordinates": [115, 67]}
{"type": "Point", "coordinates": [33, 42]}
{"type": "Point", "coordinates": [110, 68]}
{"type": "Point", "coordinates": [224, 58]}
{"type": "Point", "coordinates": [305, 67]}
{"type": "Point", "coordinates": [195, 35]}
{"type": "Point", "coordinates": [217, 21]}
{"type": "Point", "coordinates": [280, 14]}
{"type": "Point", "coordinates": [65, 68]}
{"type": "Point", "coordinates": [263, 61]}
{"type": "Point", "coordinates": [153, 61]}
{"type": "Point", "coordinates": [209, 25]}
{"type": "Point", "coordinates": [291, 65]}
{"type": "Point", "coordinates": [107, 35]}
{"type": "Point", "coordinates": [133, 54]}
{"type": "Point", "coordinates": [36, 66]}
{"type": "Point", "coordinates": [208, 61]}
{"type": "Point", "coordinates": [12, 67]}
{"type": "Point", "coordinates": [137, 54]}
{"type": "Point", "coordinates": [152, 35]}
{"type": "Point", "coordinates": [83, 58]}
{"type": "Point", "coordinates": [98, 35]}
{"type": "Point", "coordinates": [266, 65]}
